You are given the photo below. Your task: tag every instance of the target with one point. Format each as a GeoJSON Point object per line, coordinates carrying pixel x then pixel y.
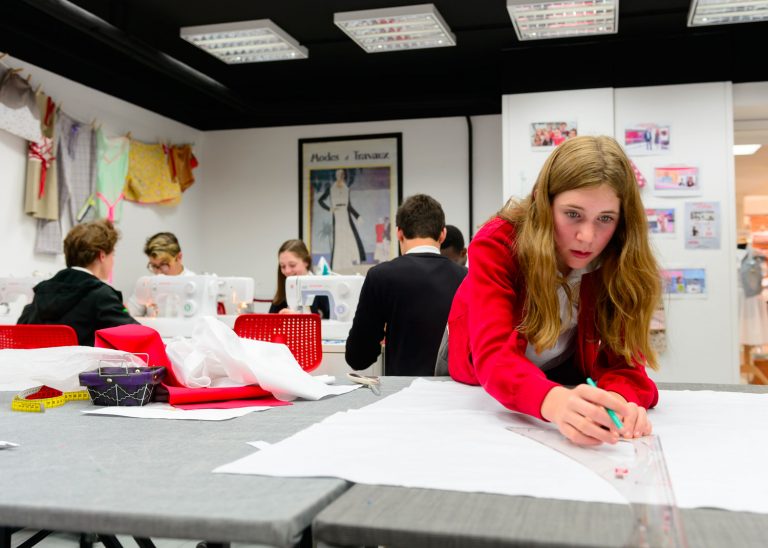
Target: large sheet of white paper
{"type": "Point", "coordinates": [167, 411]}
{"type": "Point", "coordinates": [445, 435]}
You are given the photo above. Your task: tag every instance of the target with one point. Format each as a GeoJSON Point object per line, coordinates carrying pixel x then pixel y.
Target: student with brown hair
{"type": "Point", "coordinates": [293, 259]}
{"type": "Point", "coordinates": [562, 287]}
{"type": "Point", "coordinates": [79, 296]}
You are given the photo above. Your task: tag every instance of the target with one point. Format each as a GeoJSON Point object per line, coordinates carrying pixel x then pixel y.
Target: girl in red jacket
{"type": "Point", "coordinates": [561, 287]}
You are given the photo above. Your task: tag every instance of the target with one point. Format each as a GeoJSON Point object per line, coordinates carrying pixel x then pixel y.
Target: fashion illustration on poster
{"type": "Point", "coordinates": [347, 247]}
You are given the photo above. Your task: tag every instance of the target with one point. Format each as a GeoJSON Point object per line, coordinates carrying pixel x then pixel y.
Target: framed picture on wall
{"type": "Point", "coordinates": [676, 181]}
{"type": "Point", "coordinates": [349, 190]}
{"type": "Point", "coordinates": [685, 283]}
{"type": "Point", "coordinates": [547, 135]}
{"type": "Point", "coordinates": [647, 138]}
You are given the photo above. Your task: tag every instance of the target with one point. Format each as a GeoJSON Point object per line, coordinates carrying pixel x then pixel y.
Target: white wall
{"type": "Point", "coordinates": [138, 222]}
{"type": "Point", "coordinates": [702, 342]}
{"type": "Point", "coordinates": [702, 333]}
{"type": "Point", "coordinates": [251, 201]}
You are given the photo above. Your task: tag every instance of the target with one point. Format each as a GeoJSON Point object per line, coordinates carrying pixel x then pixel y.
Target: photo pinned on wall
{"type": "Point", "coordinates": [646, 139]}
{"type": "Point", "coordinates": [676, 181]}
{"type": "Point", "coordinates": [685, 283]}
{"type": "Point", "coordinates": [547, 135]}
{"type": "Point", "coordinates": [658, 328]}
{"type": "Point", "coordinates": [349, 191]}
{"type": "Point", "coordinates": [702, 225]}
{"type": "Point", "coordinates": [661, 222]}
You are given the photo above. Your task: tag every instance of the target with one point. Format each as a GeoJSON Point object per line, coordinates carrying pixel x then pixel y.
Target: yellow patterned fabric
{"type": "Point", "coordinates": [149, 179]}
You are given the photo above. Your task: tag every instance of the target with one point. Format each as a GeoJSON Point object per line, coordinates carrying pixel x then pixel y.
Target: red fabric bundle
{"type": "Point", "coordinates": [142, 339]}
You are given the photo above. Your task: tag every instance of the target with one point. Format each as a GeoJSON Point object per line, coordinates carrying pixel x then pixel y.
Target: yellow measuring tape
{"type": "Point", "coordinates": [21, 403]}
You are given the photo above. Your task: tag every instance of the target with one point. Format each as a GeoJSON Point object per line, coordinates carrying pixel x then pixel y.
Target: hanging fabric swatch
{"type": "Point", "coordinates": [41, 199]}
{"type": "Point", "coordinates": [76, 161]}
{"type": "Point", "coordinates": [111, 169]}
{"type": "Point", "coordinates": [77, 164]}
{"type": "Point", "coordinates": [149, 177]}
{"type": "Point", "coordinates": [182, 161]}
{"type": "Point", "coordinates": [19, 112]}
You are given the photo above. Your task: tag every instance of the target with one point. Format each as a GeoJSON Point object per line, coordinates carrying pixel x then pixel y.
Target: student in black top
{"type": "Point", "coordinates": [293, 259]}
{"type": "Point", "coordinates": [407, 300]}
{"type": "Point", "coordinates": [78, 295]}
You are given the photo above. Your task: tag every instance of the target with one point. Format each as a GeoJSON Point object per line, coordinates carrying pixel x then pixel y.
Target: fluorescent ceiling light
{"type": "Point", "coordinates": [744, 150]}
{"type": "Point", "coordinates": [726, 12]}
{"type": "Point", "coordinates": [245, 42]}
{"type": "Point", "coordinates": [396, 29]}
{"type": "Point", "coordinates": [560, 19]}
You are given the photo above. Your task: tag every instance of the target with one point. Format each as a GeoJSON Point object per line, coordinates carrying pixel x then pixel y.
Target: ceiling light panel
{"type": "Point", "coordinates": [396, 29]}
{"type": "Point", "coordinates": [745, 150]}
{"type": "Point", "coordinates": [726, 12]}
{"type": "Point", "coordinates": [245, 42]}
{"type": "Point", "coordinates": [561, 19]}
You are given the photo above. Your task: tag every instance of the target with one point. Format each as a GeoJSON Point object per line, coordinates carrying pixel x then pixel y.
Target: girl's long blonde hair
{"type": "Point", "coordinates": [630, 283]}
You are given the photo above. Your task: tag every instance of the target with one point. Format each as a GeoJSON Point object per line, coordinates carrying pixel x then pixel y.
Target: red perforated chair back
{"type": "Point", "coordinates": [36, 336]}
{"type": "Point", "coordinates": [299, 332]}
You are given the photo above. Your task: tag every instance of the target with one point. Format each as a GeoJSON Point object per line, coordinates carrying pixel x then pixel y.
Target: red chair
{"type": "Point", "coordinates": [299, 332]}
{"type": "Point", "coordinates": [36, 336]}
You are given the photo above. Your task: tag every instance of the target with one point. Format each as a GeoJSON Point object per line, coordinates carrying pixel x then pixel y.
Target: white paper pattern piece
{"type": "Point", "coordinates": [167, 411]}
{"type": "Point", "coordinates": [260, 444]}
{"type": "Point", "coordinates": [445, 435]}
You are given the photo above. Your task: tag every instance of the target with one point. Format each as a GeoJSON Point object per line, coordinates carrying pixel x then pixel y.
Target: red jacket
{"type": "Point", "coordinates": [485, 348]}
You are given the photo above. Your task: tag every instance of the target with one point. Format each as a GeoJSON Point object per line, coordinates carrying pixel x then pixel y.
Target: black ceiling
{"type": "Point", "coordinates": [132, 57]}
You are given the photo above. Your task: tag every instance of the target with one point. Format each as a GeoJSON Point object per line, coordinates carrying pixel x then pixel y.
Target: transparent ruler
{"type": "Point", "coordinates": [640, 476]}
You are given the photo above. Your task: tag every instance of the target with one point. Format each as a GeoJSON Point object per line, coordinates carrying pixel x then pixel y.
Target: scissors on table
{"type": "Point", "coordinates": [374, 383]}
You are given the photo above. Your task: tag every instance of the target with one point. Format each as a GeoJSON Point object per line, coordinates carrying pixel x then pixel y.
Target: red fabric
{"type": "Point", "coordinates": [234, 404]}
{"type": "Point", "coordinates": [142, 339]}
{"type": "Point", "coordinates": [485, 348]}
{"type": "Point", "coordinates": [43, 151]}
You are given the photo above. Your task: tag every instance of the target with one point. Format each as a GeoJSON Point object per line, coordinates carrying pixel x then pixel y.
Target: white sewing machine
{"type": "Point", "coordinates": [15, 294]}
{"type": "Point", "coordinates": [236, 293]}
{"type": "Point", "coordinates": [342, 292]}
{"type": "Point", "coordinates": [173, 302]}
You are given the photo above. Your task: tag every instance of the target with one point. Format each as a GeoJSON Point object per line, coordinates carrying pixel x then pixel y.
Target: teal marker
{"type": "Point", "coordinates": [611, 412]}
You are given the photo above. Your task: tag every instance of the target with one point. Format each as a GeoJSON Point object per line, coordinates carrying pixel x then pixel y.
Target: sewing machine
{"type": "Point", "coordinates": [236, 293]}
{"type": "Point", "coordinates": [342, 292]}
{"type": "Point", "coordinates": [15, 294]}
{"type": "Point", "coordinates": [173, 302]}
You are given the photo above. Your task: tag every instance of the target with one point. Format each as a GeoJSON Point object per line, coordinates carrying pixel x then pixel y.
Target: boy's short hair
{"type": "Point", "coordinates": [163, 245]}
{"type": "Point", "coordinates": [85, 241]}
{"type": "Point", "coordinates": [420, 216]}
{"type": "Point", "coordinates": [453, 239]}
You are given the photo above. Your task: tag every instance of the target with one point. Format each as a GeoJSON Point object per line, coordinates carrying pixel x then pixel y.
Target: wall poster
{"type": "Point", "coordinates": [349, 190]}
{"type": "Point", "coordinates": [547, 135]}
{"type": "Point", "coordinates": [676, 181]}
{"type": "Point", "coordinates": [685, 282]}
{"type": "Point", "coordinates": [702, 225]}
{"type": "Point", "coordinates": [647, 138]}
{"type": "Point", "coordinates": [661, 221]}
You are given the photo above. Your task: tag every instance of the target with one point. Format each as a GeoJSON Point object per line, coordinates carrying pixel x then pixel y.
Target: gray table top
{"type": "Point", "coordinates": [373, 515]}
{"type": "Point", "coordinates": [152, 478]}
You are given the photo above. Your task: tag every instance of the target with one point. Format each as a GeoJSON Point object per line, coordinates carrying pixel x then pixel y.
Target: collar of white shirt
{"type": "Point", "coordinates": [81, 269]}
{"type": "Point", "coordinates": [423, 249]}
